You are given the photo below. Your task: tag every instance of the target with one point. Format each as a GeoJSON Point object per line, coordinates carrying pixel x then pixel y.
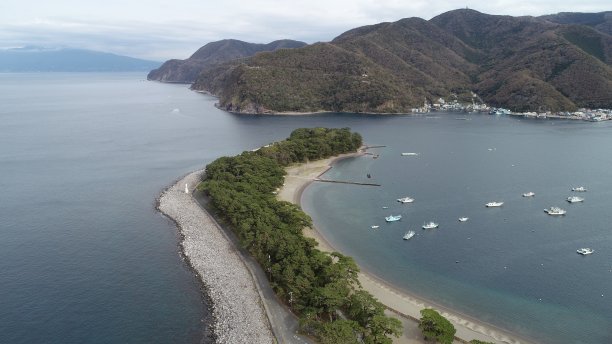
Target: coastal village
{"type": "Point", "coordinates": [583, 114]}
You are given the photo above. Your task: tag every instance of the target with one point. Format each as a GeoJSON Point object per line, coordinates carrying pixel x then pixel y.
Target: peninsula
{"type": "Point", "coordinates": [257, 195]}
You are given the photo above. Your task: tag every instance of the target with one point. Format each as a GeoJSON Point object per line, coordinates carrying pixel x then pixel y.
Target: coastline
{"type": "Point", "coordinates": [238, 313]}
{"type": "Point", "coordinates": [401, 303]}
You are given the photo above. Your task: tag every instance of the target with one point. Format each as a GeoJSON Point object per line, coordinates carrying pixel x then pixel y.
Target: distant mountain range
{"type": "Point", "coordinates": [557, 62]}
{"type": "Point", "coordinates": [35, 59]}
{"type": "Point", "coordinates": [187, 71]}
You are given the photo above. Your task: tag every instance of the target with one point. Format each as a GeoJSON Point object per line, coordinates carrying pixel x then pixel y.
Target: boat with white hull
{"type": "Point", "coordinates": [585, 251]}
{"type": "Point", "coordinates": [393, 218]}
{"type": "Point", "coordinates": [405, 199]}
{"type": "Point", "coordinates": [430, 225]}
{"type": "Point", "coordinates": [579, 189]}
{"type": "Point", "coordinates": [555, 211]}
{"type": "Point", "coordinates": [494, 204]}
{"type": "Point", "coordinates": [463, 219]}
{"type": "Point", "coordinates": [409, 235]}
{"type": "Point", "coordinates": [529, 194]}
{"type": "Point", "coordinates": [575, 199]}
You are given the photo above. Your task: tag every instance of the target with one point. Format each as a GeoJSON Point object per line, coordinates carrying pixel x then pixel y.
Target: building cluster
{"type": "Point", "coordinates": [592, 115]}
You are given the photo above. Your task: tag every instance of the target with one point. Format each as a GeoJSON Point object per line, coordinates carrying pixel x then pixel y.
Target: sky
{"type": "Point", "coordinates": [164, 29]}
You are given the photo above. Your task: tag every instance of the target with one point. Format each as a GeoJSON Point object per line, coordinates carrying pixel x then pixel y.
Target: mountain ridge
{"type": "Point", "coordinates": [37, 59]}
{"type": "Point", "coordinates": [186, 71]}
{"type": "Point", "coordinates": [522, 63]}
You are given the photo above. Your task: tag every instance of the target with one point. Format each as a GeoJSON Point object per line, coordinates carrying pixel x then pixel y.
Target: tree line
{"type": "Point", "coordinates": [321, 288]}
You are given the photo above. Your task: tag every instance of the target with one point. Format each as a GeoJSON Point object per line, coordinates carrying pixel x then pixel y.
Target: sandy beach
{"type": "Point", "coordinates": [399, 302]}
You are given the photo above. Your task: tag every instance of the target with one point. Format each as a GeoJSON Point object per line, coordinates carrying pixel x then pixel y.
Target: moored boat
{"type": "Point", "coordinates": [579, 189]}
{"type": "Point", "coordinates": [575, 199]}
{"type": "Point", "coordinates": [405, 200]}
{"type": "Point", "coordinates": [585, 251]}
{"type": "Point", "coordinates": [410, 154]}
{"type": "Point", "coordinates": [430, 225]}
{"type": "Point", "coordinates": [463, 219]}
{"type": "Point", "coordinates": [555, 211]}
{"type": "Point", "coordinates": [529, 194]}
{"type": "Point", "coordinates": [494, 204]}
{"type": "Point", "coordinates": [374, 227]}
{"type": "Point", "coordinates": [393, 218]}
{"type": "Point", "coordinates": [409, 235]}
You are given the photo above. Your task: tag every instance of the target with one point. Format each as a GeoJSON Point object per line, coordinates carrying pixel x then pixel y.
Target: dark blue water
{"type": "Point", "coordinates": [84, 256]}
{"type": "Point", "coordinates": [515, 266]}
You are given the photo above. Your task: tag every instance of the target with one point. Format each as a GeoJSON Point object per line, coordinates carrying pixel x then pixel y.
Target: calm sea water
{"type": "Point", "coordinates": [84, 256]}
{"type": "Point", "coordinates": [515, 266]}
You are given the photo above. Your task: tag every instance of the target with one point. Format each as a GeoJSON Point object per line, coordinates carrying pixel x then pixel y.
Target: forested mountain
{"type": "Point", "coordinates": [523, 63]}
{"type": "Point", "coordinates": [37, 59]}
{"type": "Point", "coordinates": [186, 71]}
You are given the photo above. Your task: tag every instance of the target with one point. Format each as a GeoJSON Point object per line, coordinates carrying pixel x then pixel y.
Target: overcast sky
{"type": "Point", "coordinates": [160, 30]}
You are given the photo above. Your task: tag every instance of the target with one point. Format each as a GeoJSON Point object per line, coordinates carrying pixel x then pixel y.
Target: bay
{"type": "Point", "coordinates": [515, 267]}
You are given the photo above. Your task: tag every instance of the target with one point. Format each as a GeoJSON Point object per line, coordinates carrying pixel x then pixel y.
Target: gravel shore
{"type": "Point", "coordinates": [237, 309]}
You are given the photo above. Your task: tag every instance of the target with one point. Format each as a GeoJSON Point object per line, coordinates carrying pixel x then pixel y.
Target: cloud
{"type": "Point", "coordinates": [159, 30]}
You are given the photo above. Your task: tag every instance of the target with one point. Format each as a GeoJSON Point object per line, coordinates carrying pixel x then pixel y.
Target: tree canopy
{"type": "Point", "coordinates": [436, 327]}
{"type": "Point", "coordinates": [322, 288]}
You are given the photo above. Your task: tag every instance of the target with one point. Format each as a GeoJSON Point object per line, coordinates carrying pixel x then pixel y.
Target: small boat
{"type": "Point", "coordinates": [409, 235]}
{"type": "Point", "coordinates": [463, 219]}
{"type": "Point", "coordinates": [575, 199]}
{"type": "Point", "coordinates": [579, 189]}
{"type": "Point", "coordinates": [430, 225]}
{"type": "Point", "coordinates": [375, 156]}
{"type": "Point", "coordinates": [494, 204]}
{"type": "Point", "coordinates": [410, 154]}
{"type": "Point", "coordinates": [374, 227]}
{"type": "Point", "coordinates": [555, 211]}
{"type": "Point", "coordinates": [385, 207]}
{"type": "Point", "coordinates": [585, 251]}
{"type": "Point", "coordinates": [393, 218]}
{"type": "Point", "coordinates": [405, 200]}
{"type": "Point", "coordinates": [529, 194]}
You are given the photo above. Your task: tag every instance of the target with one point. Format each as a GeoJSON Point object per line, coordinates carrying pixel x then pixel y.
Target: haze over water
{"type": "Point", "coordinates": [84, 256]}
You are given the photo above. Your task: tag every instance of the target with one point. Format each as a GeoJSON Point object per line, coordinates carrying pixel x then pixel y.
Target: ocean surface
{"type": "Point", "coordinates": [85, 258]}
{"type": "Point", "coordinates": [515, 266]}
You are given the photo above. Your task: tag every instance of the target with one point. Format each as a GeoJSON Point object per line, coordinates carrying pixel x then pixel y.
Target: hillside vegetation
{"type": "Point", "coordinates": [186, 71]}
{"type": "Point", "coordinates": [522, 63]}
{"type": "Point", "coordinates": [321, 288]}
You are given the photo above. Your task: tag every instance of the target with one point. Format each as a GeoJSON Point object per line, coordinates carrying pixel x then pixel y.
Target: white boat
{"type": "Point", "coordinates": [405, 200]}
{"type": "Point", "coordinates": [410, 154]}
{"type": "Point", "coordinates": [430, 225]}
{"type": "Point", "coordinates": [585, 251]}
{"type": "Point", "coordinates": [555, 211]}
{"type": "Point", "coordinates": [494, 204]}
{"type": "Point", "coordinates": [393, 218]}
{"type": "Point", "coordinates": [579, 189]}
{"type": "Point", "coordinates": [575, 199]}
{"type": "Point", "coordinates": [529, 194]}
{"type": "Point", "coordinates": [374, 227]}
{"type": "Point", "coordinates": [409, 235]}
{"type": "Point", "coordinates": [463, 219]}
{"type": "Point", "coordinates": [385, 207]}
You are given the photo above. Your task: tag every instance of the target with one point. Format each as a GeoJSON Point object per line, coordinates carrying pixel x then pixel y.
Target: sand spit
{"type": "Point", "coordinates": [236, 305]}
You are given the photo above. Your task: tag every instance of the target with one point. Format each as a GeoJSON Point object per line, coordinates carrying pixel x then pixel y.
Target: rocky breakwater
{"type": "Point", "coordinates": [237, 308]}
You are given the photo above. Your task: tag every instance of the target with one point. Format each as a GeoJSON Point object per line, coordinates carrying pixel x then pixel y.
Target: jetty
{"type": "Point", "coordinates": [344, 182]}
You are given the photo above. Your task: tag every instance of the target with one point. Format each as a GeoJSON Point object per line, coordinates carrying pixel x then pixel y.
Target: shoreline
{"type": "Point", "coordinates": [238, 313]}
{"type": "Point", "coordinates": [403, 303]}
